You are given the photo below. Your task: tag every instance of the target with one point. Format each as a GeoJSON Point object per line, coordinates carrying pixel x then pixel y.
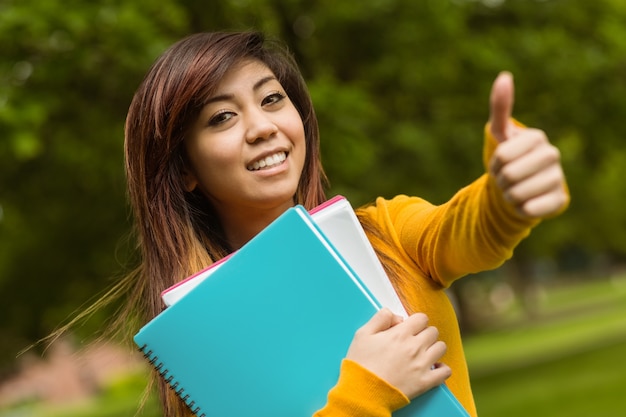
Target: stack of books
{"type": "Point", "coordinates": [263, 331]}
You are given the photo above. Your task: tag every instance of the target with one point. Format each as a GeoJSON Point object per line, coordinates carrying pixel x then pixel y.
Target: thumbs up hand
{"type": "Point", "coordinates": [525, 166]}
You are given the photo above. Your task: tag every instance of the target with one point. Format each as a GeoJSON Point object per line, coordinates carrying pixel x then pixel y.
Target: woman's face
{"type": "Point", "coordinates": [247, 148]}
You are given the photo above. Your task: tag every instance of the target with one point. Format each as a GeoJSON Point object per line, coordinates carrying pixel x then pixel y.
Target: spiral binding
{"type": "Point", "coordinates": [169, 379]}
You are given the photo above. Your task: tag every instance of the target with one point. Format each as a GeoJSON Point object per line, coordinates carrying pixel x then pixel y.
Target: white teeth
{"type": "Point", "coordinates": [268, 162]}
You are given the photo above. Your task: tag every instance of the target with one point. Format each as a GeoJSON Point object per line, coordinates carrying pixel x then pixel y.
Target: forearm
{"type": "Point", "coordinates": [477, 230]}
{"type": "Point", "coordinates": [361, 393]}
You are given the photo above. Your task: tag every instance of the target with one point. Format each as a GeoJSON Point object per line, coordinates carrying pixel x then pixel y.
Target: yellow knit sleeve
{"type": "Point", "coordinates": [361, 393]}
{"type": "Point", "coordinates": [476, 230]}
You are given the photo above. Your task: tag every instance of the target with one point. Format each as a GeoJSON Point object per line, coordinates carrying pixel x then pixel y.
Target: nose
{"type": "Point", "coordinates": [259, 126]}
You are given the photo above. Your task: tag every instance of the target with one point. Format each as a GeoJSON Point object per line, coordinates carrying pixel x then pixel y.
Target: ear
{"type": "Point", "coordinates": [190, 181]}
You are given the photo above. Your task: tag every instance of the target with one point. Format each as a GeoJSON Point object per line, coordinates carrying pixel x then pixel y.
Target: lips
{"type": "Point", "coordinates": [267, 162]}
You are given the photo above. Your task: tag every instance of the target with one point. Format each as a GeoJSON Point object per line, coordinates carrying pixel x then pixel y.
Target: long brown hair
{"type": "Point", "coordinates": [178, 231]}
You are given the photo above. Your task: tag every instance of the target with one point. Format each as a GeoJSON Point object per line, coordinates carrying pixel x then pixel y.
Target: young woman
{"type": "Point", "coordinates": [221, 138]}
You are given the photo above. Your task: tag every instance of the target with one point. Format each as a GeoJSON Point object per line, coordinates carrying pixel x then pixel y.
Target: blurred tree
{"type": "Point", "coordinates": [401, 89]}
{"type": "Point", "coordinates": [67, 75]}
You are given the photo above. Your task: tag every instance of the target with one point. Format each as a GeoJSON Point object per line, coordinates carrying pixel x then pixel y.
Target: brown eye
{"type": "Point", "coordinates": [272, 98]}
{"type": "Point", "coordinates": [220, 118]}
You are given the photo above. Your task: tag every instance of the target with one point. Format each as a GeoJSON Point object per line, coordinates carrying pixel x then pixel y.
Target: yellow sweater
{"type": "Point", "coordinates": [434, 245]}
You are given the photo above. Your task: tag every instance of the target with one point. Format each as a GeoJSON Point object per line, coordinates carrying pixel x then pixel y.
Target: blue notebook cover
{"type": "Point", "coordinates": [266, 333]}
{"type": "Point", "coordinates": [336, 219]}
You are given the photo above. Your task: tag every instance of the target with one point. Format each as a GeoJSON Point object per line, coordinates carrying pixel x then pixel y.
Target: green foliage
{"type": "Point", "coordinates": [67, 78]}
{"type": "Point", "coordinates": [401, 89]}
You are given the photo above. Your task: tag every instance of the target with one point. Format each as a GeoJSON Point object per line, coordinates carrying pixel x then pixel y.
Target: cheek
{"type": "Point", "coordinates": [210, 163]}
{"type": "Point", "coordinates": [301, 142]}
{"type": "Point", "coordinates": [295, 129]}
{"type": "Point", "coordinates": [297, 136]}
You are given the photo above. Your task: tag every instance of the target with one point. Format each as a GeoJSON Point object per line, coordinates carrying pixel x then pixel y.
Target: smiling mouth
{"type": "Point", "coordinates": [268, 162]}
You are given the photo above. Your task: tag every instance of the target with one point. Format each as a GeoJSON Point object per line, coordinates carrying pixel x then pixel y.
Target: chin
{"type": "Point", "coordinates": [285, 200]}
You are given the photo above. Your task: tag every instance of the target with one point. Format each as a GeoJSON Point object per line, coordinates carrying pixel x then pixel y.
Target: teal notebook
{"type": "Point", "coordinates": [266, 333]}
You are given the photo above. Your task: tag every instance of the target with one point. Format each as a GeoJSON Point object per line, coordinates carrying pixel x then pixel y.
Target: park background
{"type": "Point", "coordinates": [401, 89]}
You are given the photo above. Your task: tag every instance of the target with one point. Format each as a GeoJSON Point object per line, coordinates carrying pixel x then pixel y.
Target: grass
{"type": "Point", "coordinates": [121, 398]}
{"type": "Point", "coordinates": [571, 319]}
{"type": "Point", "coordinates": [570, 362]}
{"type": "Point", "coordinates": [586, 384]}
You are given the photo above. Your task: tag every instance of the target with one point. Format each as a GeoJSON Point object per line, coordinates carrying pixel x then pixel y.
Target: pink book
{"type": "Point", "coordinates": [338, 222]}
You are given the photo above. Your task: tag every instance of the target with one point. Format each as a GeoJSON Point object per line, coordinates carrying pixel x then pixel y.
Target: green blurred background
{"type": "Point", "coordinates": [401, 89]}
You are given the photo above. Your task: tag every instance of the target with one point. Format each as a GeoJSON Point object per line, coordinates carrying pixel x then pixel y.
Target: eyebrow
{"type": "Point", "coordinates": [257, 85]}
